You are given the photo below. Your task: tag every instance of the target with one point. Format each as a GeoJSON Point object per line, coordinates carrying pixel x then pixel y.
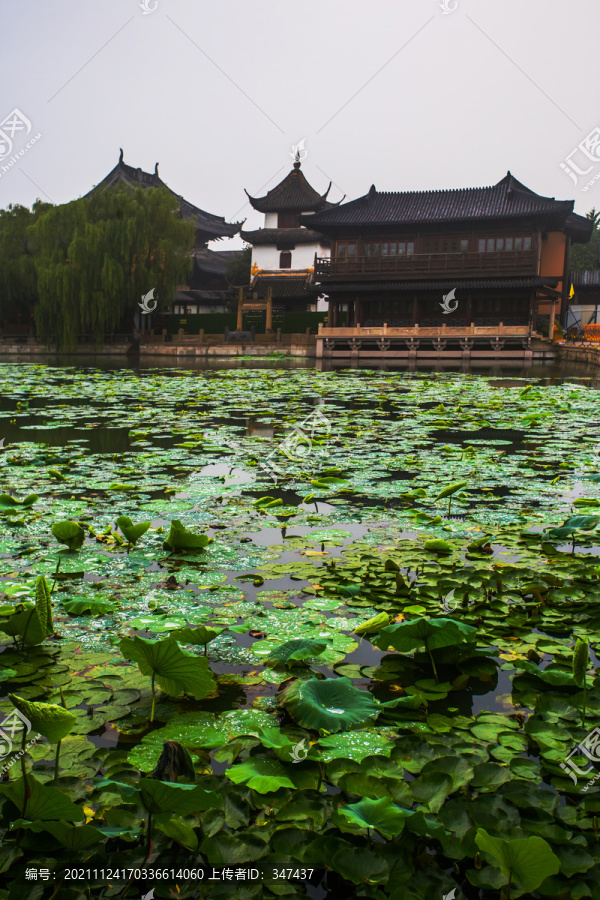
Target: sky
{"type": "Point", "coordinates": [403, 94]}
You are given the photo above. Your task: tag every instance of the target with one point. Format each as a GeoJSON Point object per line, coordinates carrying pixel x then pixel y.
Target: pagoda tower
{"type": "Point", "coordinates": [283, 251]}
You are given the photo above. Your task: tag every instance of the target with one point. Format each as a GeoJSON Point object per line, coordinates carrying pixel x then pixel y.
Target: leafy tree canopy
{"type": "Point", "coordinates": [19, 279]}
{"type": "Point", "coordinates": [97, 256]}
{"type": "Point", "coordinates": [238, 269]}
{"type": "Point", "coordinates": [586, 256]}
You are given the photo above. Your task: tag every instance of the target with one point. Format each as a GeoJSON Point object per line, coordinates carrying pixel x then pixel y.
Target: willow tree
{"type": "Point", "coordinates": [96, 257]}
{"type": "Point", "coordinates": [19, 279]}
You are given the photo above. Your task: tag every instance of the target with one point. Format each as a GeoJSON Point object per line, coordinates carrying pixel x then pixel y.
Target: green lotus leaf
{"type": "Point", "coordinates": [438, 545]}
{"type": "Point", "coordinates": [180, 799]}
{"type": "Point", "coordinates": [27, 624]}
{"type": "Point", "coordinates": [44, 803]}
{"type": "Point", "coordinates": [43, 603]}
{"type": "Point", "coordinates": [54, 722]}
{"type": "Point", "coordinates": [295, 651]}
{"type": "Point", "coordinates": [354, 745]}
{"type": "Point", "coordinates": [372, 626]}
{"type": "Point", "coordinates": [431, 633]}
{"type": "Point", "coordinates": [69, 533]}
{"type": "Point", "coordinates": [529, 861]}
{"type": "Point", "coordinates": [382, 815]}
{"type": "Point", "coordinates": [79, 607]}
{"type": "Point", "coordinates": [175, 671]}
{"type": "Point", "coordinates": [333, 704]}
{"type": "Point", "coordinates": [261, 774]}
{"type": "Point", "coordinates": [581, 662]}
{"type": "Point", "coordinates": [200, 635]}
{"type": "Point", "coordinates": [450, 489]}
{"type": "Point", "coordinates": [74, 837]}
{"type": "Point", "coordinates": [6, 500]}
{"type": "Point", "coordinates": [132, 532]}
{"type": "Point", "coordinates": [179, 538]}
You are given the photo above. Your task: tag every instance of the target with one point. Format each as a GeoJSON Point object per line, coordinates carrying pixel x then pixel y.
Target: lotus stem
{"type": "Point", "coordinates": [432, 663]}
{"type": "Point", "coordinates": [153, 700]}
{"type": "Point", "coordinates": [584, 699]}
{"type": "Point", "coordinates": [320, 776]}
{"type": "Point", "coordinates": [24, 771]}
{"type": "Point", "coordinates": [56, 761]}
{"type": "Point", "coordinates": [55, 575]}
{"type": "Point", "coordinates": [149, 836]}
{"type": "Point", "coordinates": [509, 884]}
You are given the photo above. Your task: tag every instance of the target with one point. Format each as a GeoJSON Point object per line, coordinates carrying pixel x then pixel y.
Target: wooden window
{"type": "Point", "coordinates": [347, 249]}
{"type": "Point", "coordinates": [287, 220]}
{"type": "Point", "coordinates": [501, 244]}
{"type": "Point", "coordinates": [385, 248]}
{"type": "Point", "coordinates": [285, 259]}
{"type": "Point", "coordinates": [464, 245]}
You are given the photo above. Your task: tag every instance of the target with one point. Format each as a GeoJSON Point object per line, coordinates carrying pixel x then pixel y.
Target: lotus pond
{"type": "Point", "coordinates": [333, 622]}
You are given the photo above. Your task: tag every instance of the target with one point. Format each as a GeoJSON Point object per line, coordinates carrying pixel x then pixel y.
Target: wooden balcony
{"type": "Point", "coordinates": [484, 332]}
{"type": "Point", "coordinates": [427, 265]}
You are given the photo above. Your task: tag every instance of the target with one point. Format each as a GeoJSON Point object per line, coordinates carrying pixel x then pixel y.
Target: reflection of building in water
{"type": "Point", "coordinates": [259, 429]}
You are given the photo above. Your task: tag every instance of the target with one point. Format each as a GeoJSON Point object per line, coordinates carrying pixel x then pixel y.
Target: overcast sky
{"type": "Point", "coordinates": [392, 92]}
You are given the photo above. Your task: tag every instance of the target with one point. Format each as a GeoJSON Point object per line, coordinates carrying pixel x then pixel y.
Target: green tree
{"type": "Point", "coordinates": [586, 256]}
{"type": "Point", "coordinates": [97, 256]}
{"type": "Point", "coordinates": [238, 269]}
{"type": "Point", "coordinates": [19, 277]}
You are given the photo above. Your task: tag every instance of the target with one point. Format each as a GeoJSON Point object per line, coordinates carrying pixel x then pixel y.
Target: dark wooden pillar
{"type": "Point", "coordinates": [358, 313]}
{"type": "Point", "coordinates": [415, 310]}
{"type": "Point", "coordinates": [533, 311]}
{"type": "Point", "coordinates": [469, 314]}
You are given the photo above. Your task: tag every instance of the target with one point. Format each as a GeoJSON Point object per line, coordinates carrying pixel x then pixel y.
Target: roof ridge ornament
{"type": "Point", "coordinates": [121, 155]}
{"type": "Point", "coordinates": [156, 169]}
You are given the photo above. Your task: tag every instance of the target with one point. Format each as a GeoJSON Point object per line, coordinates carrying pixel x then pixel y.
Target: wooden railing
{"type": "Point", "coordinates": [417, 331]}
{"type": "Point", "coordinates": [426, 265]}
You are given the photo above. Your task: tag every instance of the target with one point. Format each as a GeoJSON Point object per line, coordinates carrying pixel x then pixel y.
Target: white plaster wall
{"type": "Point", "coordinates": [303, 257]}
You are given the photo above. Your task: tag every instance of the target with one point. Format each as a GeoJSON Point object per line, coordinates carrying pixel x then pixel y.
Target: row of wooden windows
{"type": "Point", "coordinates": [349, 249]}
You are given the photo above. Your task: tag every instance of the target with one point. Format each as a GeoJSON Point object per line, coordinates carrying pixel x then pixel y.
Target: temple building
{"type": "Point", "coordinates": [207, 290]}
{"type": "Point", "coordinates": [284, 250]}
{"type": "Point", "coordinates": [500, 255]}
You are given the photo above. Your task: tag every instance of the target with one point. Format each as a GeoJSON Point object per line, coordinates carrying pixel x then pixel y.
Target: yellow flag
{"type": "Point", "coordinates": [571, 293]}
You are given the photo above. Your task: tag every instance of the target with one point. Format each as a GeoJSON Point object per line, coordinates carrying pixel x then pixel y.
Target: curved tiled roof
{"type": "Point", "coordinates": [507, 199]}
{"type": "Point", "coordinates": [481, 283]}
{"type": "Point", "coordinates": [294, 193]}
{"type": "Point", "coordinates": [210, 225]}
{"type": "Point", "coordinates": [283, 236]}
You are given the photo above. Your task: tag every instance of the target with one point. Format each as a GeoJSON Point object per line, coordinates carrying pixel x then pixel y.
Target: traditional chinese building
{"type": "Point", "coordinates": [284, 250]}
{"type": "Point", "coordinates": [500, 252]}
{"type": "Point", "coordinates": [207, 290]}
